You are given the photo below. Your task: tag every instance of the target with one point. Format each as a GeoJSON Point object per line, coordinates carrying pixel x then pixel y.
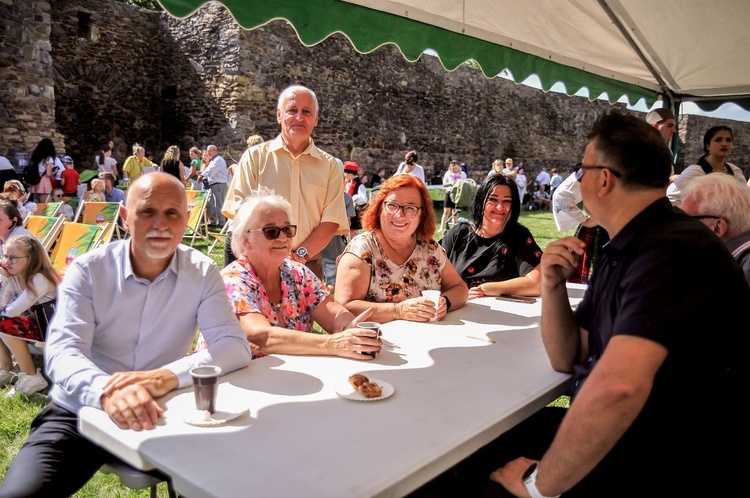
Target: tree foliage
{"type": "Point", "coordinates": [144, 4]}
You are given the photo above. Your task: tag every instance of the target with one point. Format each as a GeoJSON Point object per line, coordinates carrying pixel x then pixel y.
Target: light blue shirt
{"type": "Point", "coordinates": [109, 320]}
{"type": "Point", "coordinates": [116, 195]}
{"type": "Point", "coordinates": [216, 170]}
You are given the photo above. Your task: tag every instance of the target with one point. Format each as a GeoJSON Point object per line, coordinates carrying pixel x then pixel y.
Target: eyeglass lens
{"type": "Point", "coordinates": [12, 259]}
{"type": "Point", "coordinates": [272, 233]}
{"type": "Point", "coordinates": [409, 211]}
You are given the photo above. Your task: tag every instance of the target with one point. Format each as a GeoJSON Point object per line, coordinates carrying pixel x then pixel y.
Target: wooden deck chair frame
{"type": "Point", "coordinates": [99, 213]}
{"type": "Point", "coordinates": [197, 215]}
{"type": "Point", "coordinates": [45, 228]}
{"type": "Point", "coordinates": [219, 237]}
{"type": "Point", "coordinates": [48, 208]}
{"type": "Point", "coordinates": [74, 239]}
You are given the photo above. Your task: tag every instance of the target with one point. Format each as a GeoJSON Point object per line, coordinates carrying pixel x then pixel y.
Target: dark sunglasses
{"type": "Point", "coordinates": [273, 233]}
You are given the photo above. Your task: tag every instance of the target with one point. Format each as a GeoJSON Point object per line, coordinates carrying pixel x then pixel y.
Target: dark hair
{"type": "Point", "coordinates": [427, 219]}
{"type": "Point", "coordinates": [483, 193]}
{"type": "Point", "coordinates": [99, 157]}
{"type": "Point", "coordinates": [632, 147]}
{"type": "Point", "coordinates": [411, 157]}
{"type": "Point", "coordinates": [709, 135]}
{"type": "Point", "coordinates": [9, 206]}
{"type": "Point", "coordinates": [44, 149]}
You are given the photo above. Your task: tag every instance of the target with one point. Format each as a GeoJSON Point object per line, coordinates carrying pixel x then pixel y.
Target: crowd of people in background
{"type": "Point", "coordinates": [632, 349]}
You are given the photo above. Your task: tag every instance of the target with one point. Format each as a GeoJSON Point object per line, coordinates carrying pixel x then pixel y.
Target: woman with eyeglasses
{"type": "Point", "coordinates": [277, 299]}
{"type": "Point", "coordinates": [387, 267]}
{"type": "Point", "coordinates": [495, 254]}
{"type": "Point", "coordinates": [28, 280]}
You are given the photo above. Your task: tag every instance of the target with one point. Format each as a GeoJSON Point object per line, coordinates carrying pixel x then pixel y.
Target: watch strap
{"type": "Point", "coordinates": [529, 480]}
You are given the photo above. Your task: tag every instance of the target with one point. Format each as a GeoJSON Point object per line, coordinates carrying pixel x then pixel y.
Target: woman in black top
{"type": "Point", "coordinates": [494, 254]}
{"type": "Point", "coordinates": [171, 163]}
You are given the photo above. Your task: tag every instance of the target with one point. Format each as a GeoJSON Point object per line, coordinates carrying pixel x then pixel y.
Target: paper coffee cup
{"type": "Point", "coordinates": [206, 386]}
{"type": "Point", "coordinates": [370, 326]}
{"type": "Point", "coordinates": [434, 296]}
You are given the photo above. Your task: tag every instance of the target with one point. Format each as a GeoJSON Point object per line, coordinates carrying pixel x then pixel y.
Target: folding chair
{"type": "Point", "coordinates": [133, 478]}
{"type": "Point", "coordinates": [99, 213]}
{"type": "Point", "coordinates": [48, 208]}
{"type": "Point", "coordinates": [197, 215]}
{"type": "Point", "coordinates": [45, 228]}
{"type": "Point", "coordinates": [75, 239]}
{"type": "Point", "coordinates": [221, 236]}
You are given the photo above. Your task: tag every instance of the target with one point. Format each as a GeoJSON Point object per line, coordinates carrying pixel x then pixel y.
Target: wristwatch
{"type": "Point", "coordinates": [301, 252]}
{"type": "Point", "coordinates": [529, 480]}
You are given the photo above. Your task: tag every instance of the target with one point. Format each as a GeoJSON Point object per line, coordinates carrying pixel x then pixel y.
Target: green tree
{"type": "Point", "coordinates": [144, 4]}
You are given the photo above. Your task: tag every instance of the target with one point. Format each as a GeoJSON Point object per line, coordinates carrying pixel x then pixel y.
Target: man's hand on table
{"type": "Point", "coordinates": [132, 407]}
{"type": "Point", "coordinates": [129, 397]}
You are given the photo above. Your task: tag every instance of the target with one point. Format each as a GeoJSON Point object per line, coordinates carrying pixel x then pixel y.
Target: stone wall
{"type": "Point", "coordinates": [83, 71]}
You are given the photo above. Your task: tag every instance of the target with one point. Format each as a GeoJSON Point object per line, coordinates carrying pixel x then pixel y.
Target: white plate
{"type": "Point", "coordinates": [345, 390]}
{"type": "Point", "coordinates": [217, 418]}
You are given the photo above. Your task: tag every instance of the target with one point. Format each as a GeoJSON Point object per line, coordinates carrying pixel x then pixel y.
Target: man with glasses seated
{"type": "Point", "coordinates": [276, 298]}
{"type": "Point", "coordinates": [387, 267]}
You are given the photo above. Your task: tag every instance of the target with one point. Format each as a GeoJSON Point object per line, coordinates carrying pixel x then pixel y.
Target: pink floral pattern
{"type": "Point", "coordinates": [301, 293]}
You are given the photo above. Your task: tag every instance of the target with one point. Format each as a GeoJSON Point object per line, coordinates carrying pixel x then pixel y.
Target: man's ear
{"type": "Point", "coordinates": [720, 227]}
{"type": "Point", "coordinates": [124, 216]}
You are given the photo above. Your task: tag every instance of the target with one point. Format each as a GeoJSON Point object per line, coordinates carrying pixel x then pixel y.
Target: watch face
{"type": "Point", "coordinates": [302, 252]}
{"type": "Point", "coordinates": [529, 471]}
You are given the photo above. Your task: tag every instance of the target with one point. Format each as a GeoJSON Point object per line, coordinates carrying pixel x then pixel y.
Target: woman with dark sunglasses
{"type": "Point", "coordinates": [277, 299]}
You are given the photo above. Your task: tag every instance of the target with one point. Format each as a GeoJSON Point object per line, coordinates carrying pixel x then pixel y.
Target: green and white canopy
{"type": "Point", "coordinates": [677, 50]}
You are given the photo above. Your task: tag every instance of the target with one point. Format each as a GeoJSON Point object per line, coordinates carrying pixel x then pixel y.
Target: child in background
{"type": "Point", "coordinates": [96, 194]}
{"type": "Point", "coordinates": [16, 189]}
{"type": "Point", "coordinates": [26, 279]}
{"type": "Point", "coordinates": [69, 181]}
{"type": "Point", "coordinates": [65, 210]}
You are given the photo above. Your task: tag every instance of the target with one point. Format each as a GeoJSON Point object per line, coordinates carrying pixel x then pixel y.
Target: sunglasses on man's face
{"type": "Point", "coordinates": [273, 233]}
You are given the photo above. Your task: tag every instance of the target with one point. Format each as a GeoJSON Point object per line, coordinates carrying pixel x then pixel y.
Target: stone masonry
{"type": "Point", "coordinates": [84, 71]}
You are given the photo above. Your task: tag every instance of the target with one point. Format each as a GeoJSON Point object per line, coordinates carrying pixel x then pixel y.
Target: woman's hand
{"type": "Point", "coordinates": [419, 309]}
{"type": "Point", "coordinates": [476, 292]}
{"type": "Point", "coordinates": [352, 342]}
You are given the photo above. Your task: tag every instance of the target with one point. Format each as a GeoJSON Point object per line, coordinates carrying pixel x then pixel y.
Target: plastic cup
{"type": "Point", "coordinates": [370, 326]}
{"type": "Point", "coordinates": [434, 296]}
{"type": "Point", "coordinates": [206, 386]}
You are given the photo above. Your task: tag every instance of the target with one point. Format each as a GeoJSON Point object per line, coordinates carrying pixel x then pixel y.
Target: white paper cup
{"type": "Point", "coordinates": [434, 296]}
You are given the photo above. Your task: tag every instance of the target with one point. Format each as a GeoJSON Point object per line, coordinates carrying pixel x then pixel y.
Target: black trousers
{"type": "Point", "coordinates": [56, 460]}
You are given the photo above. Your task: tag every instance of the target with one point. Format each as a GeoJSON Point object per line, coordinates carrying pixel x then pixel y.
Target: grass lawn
{"type": "Point", "coordinates": [18, 412]}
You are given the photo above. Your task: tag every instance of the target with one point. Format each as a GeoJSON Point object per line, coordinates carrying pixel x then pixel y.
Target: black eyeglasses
{"type": "Point", "coordinates": [393, 208]}
{"type": "Point", "coordinates": [13, 259]}
{"type": "Point", "coordinates": [273, 233]}
{"type": "Point", "coordinates": [582, 169]}
{"type": "Point", "coordinates": [706, 216]}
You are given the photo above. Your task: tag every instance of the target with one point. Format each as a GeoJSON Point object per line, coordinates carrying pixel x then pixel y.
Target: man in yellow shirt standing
{"type": "Point", "coordinates": [308, 177]}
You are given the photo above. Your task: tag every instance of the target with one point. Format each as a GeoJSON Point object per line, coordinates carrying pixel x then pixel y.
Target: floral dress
{"type": "Point", "coordinates": [301, 293]}
{"type": "Point", "coordinates": [17, 315]}
{"type": "Point", "coordinates": [392, 283]}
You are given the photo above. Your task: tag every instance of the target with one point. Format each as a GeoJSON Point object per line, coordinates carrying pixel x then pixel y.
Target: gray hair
{"type": "Point", "coordinates": [722, 195]}
{"type": "Point", "coordinates": [245, 214]}
{"type": "Point", "coordinates": [290, 90]}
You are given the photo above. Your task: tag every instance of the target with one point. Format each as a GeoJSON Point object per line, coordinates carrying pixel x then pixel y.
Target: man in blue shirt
{"type": "Point", "coordinates": [122, 358]}
{"type": "Point", "coordinates": [112, 193]}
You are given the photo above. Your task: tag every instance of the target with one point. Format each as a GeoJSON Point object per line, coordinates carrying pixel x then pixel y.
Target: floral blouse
{"type": "Point", "coordinates": [301, 293]}
{"type": "Point", "coordinates": [392, 283]}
